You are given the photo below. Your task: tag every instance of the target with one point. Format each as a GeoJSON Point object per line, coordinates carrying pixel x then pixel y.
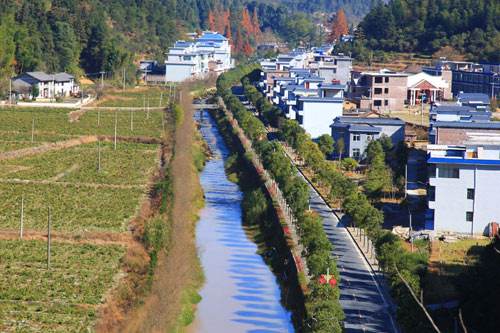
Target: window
{"type": "Point", "coordinates": [377, 102]}
{"type": "Point", "coordinates": [356, 137]}
{"type": "Point", "coordinates": [469, 216]}
{"type": "Point", "coordinates": [386, 79]}
{"type": "Point", "coordinates": [448, 172]}
{"type": "Point", "coordinates": [356, 153]}
{"type": "Point", "coordinates": [431, 193]}
{"type": "Point", "coordinates": [378, 79]}
{"type": "Point", "coordinates": [386, 102]}
{"type": "Point", "coordinates": [386, 90]}
{"type": "Point", "coordinates": [377, 91]}
{"type": "Point", "coordinates": [470, 193]}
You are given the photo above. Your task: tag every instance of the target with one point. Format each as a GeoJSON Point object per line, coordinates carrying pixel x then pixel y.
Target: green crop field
{"type": "Point", "coordinates": [17, 124]}
{"type": "Point", "coordinates": [82, 199]}
{"type": "Point", "coordinates": [154, 97]}
{"type": "Point", "coordinates": [62, 299]}
{"type": "Point", "coordinates": [130, 164]}
{"type": "Point", "coordinates": [74, 208]}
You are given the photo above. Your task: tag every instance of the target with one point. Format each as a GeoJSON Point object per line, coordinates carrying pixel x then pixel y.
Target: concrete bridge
{"type": "Point", "coordinates": [205, 106]}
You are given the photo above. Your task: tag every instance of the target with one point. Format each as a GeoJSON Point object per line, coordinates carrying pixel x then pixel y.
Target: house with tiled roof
{"type": "Point", "coordinates": [44, 86]}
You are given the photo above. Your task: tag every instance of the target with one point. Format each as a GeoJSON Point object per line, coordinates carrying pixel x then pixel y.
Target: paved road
{"type": "Point", "coordinates": [362, 299]}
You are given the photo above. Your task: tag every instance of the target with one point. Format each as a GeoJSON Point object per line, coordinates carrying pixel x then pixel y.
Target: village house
{"type": "Point", "coordinates": [464, 169]}
{"type": "Point", "coordinates": [382, 91]}
{"type": "Point", "coordinates": [434, 88]}
{"type": "Point", "coordinates": [463, 181]}
{"type": "Point", "coordinates": [474, 100]}
{"type": "Point", "coordinates": [40, 85]}
{"type": "Point", "coordinates": [208, 53]}
{"type": "Point", "coordinates": [358, 132]}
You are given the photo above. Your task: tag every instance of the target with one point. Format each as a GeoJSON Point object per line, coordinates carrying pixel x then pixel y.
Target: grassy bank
{"type": "Point", "coordinates": [177, 275]}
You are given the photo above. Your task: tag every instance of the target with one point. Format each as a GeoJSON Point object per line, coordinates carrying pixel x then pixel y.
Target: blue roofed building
{"type": "Point", "coordinates": [475, 100]}
{"type": "Point", "coordinates": [198, 58]}
{"type": "Point", "coordinates": [358, 132]}
{"type": "Point", "coordinates": [463, 185]}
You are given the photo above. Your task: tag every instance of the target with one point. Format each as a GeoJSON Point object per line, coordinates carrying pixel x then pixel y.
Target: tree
{"type": "Point", "coordinates": [339, 26]}
{"type": "Point", "coordinates": [349, 164]}
{"type": "Point", "coordinates": [67, 47]}
{"type": "Point", "coordinates": [339, 147]}
{"type": "Point", "coordinates": [325, 143]}
{"type": "Point", "coordinates": [211, 21]}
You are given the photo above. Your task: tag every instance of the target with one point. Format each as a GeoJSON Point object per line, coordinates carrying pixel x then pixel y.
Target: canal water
{"type": "Point", "coordinates": [240, 293]}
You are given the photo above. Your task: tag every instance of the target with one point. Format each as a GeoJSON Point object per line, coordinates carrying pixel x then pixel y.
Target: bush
{"type": "Point", "coordinates": [349, 164]}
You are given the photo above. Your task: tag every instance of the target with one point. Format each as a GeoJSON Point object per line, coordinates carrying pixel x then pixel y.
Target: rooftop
{"type": "Point", "coordinates": [317, 99]}
{"type": "Point", "coordinates": [211, 35]}
{"type": "Point", "coordinates": [370, 121]}
{"type": "Point", "coordinates": [473, 98]}
{"type": "Point", "coordinates": [471, 125]}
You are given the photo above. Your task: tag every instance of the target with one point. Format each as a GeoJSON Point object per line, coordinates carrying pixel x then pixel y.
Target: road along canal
{"type": "Point", "coordinates": [241, 293]}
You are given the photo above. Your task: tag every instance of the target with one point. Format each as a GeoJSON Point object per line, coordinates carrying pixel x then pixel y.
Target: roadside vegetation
{"type": "Point", "coordinates": [323, 311]}
{"type": "Point", "coordinates": [360, 207]}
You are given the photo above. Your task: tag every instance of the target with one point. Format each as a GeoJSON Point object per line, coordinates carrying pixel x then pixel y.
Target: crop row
{"type": "Point", "coordinates": [75, 208]}
{"type": "Point", "coordinates": [153, 97]}
{"type": "Point", "coordinates": [130, 163]}
{"type": "Point", "coordinates": [60, 299]}
{"type": "Point", "coordinates": [19, 124]}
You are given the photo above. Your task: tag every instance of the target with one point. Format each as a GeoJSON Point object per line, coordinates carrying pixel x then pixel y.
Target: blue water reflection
{"type": "Point", "coordinates": [241, 293]}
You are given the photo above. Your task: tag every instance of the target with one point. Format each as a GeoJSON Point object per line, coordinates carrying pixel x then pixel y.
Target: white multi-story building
{"type": "Point", "coordinates": [209, 53]}
{"type": "Point", "coordinates": [44, 86]}
{"type": "Point", "coordinates": [463, 183]}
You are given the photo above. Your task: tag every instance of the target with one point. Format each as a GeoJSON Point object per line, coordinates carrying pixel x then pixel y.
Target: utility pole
{"type": "Point", "coordinates": [102, 79]}
{"type": "Point", "coordinates": [22, 218]}
{"type": "Point", "coordinates": [147, 115]}
{"type": "Point", "coordinates": [33, 130]}
{"type": "Point", "coordinates": [98, 155]}
{"type": "Point", "coordinates": [410, 232]}
{"type": "Point", "coordinates": [406, 180]}
{"type": "Point", "coordinates": [131, 120]}
{"type": "Point", "coordinates": [116, 124]}
{"type": "Point", "coordinates": [98, 118]}
{"type": "Point", "coordinates": [10, 91]}
{"type": "Point", "coordinates": [161, 99]}
{"type": "Point", "coordinates": [123, 78]}
{"type": "Point", "coordinates": [48, 237]}
{"type": "Point", "coordinates": [422, 109]}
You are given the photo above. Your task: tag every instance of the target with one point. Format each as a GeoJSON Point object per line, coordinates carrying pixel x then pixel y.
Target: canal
{"type": "Point", "coordinates": [240, 293]}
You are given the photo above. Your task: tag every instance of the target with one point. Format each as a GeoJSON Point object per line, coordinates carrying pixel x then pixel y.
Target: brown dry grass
{"type": "Point", "coordinates": [174, 272]}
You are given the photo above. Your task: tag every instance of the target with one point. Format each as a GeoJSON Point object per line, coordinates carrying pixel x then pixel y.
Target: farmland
{"type": "Point", "coordinates": [61, 299]}
{"type": "Point", "coordinates": [53, 125]}
{"type": "Point", "coordinates": [94, 190]}
{"type": "Point", "coordinates": [139, 97]}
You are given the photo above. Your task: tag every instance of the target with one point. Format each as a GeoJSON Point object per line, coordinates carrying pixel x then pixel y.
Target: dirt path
{"type": "Point", "coordinates": [96, 238]}
{"type": "Point", "coordinates": [55, 182]}
{"type": "Point", "coordinates": [47, 147]}
{"type": "Point", "coordinates": [175, 270]}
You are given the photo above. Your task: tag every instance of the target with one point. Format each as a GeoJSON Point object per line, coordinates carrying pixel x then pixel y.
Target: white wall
{"type": "Point", "coordinates": [317, 116]}
{"type": "Point", "coordinates": [178, 73]}
{"type": "Point", "coordinates": [451, 203]}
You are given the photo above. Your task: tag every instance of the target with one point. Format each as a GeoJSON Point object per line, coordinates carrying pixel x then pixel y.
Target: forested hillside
{"type": "Point", "coordinates": [106, 35]}
{"type": "Point", "coordinates": [355, 9]}
{"type": "Point", "coordinates": [471, 27]}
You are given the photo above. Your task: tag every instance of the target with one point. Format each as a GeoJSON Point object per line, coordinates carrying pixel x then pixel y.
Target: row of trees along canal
{"type": "Point", "coordinates": [323, 311]}
{"type": "Point", "coordinates": [402, 268]}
